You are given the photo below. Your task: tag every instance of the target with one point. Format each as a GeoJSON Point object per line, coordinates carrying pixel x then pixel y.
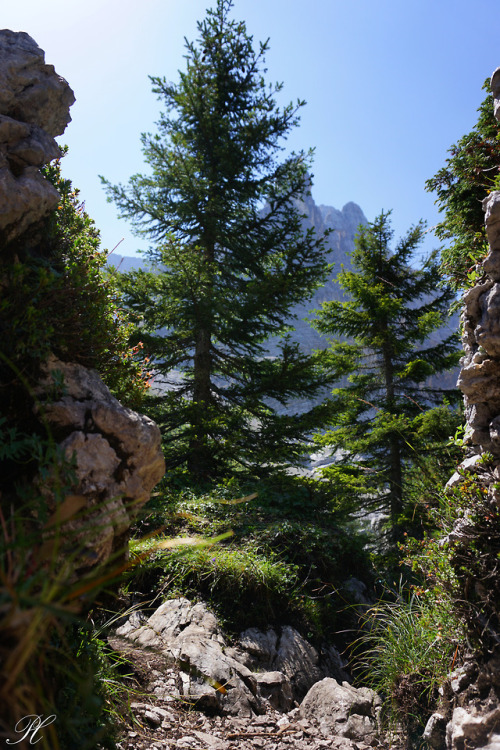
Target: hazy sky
{"type": "Point", "coordinates": [389, 85]}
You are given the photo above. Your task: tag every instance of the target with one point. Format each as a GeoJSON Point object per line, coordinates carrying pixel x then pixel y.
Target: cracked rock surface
{"type": "Point", "coordinates": [117, 455]}
{"type": "Point", "coordinates": [34, 107]}
{"type": "Point", "coordinates": [261, 669]}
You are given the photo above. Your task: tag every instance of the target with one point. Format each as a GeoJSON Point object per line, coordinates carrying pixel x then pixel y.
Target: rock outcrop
{"type": "Point", "coordinates": [34, 107]}
{"type": "Point", "coordinates": [472, 692]}
{"type": "Point", "coordinates": [479, 378]}
{"type": "Point", "coordinates": [116, 452]}
{"type": "Point", "coordinates": [117, 455]}
{"type": "Point", "coordinates": [345, 711]}
{"type": "Point", "coordinates": [263, 669]}
{"type": "Point", "coordinates": [181, 653]}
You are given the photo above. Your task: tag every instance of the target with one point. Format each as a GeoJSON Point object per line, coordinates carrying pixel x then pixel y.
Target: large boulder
{"type": "Point", "coordinates": [288, 652]}
{"type": "Point", "coordinates": [34, 107]}
{"type": "Point", "coordinates": [343, 709]}
{"type": "Point", "coordinates": [468, 728]}
{"type": "Point", "coordinates": [188, 635]}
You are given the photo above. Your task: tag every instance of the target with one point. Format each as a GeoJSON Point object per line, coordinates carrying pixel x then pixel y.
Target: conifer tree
{"type": "Point", "coordinates": [230, 256]}
{"type": "Point", "coordinates": [381, 416]}
{"type": "Point", "coordinates": [471, 170]}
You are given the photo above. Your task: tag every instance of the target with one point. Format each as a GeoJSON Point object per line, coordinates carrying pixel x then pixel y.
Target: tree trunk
{"type": "Point", "coordinates": [200, 460]}
{"type": "Point", "coordinates": [395, 465]}
{"type": "Point", "coordinates": [395, 488]}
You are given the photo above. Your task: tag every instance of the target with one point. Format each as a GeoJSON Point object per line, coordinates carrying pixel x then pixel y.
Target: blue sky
{"type": "Point", "coordinates": [389, 85]}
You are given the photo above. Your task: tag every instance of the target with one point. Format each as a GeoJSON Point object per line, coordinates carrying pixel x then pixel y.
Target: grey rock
{"type": "Point", "coordinates": [494, 429]}
{"type": "Point", "coordinates": [487, 332]}
{"type": "Point", "coordinates": [493, 743]}
{"type": "Point", "coordinates": [468, 727]}
{"type": "Point", "coordinates": [462, 531]}
{"type": "Point", "coordinates": [357, 591]}
{"type": "Point", "coordinates": [479, 381]}
{"type": "Point", "coordinates": [34, 107]}
{"type": "Point", "coordinates": [290, 654]}
{"type": "Point", "coordinates": [117, 455]}
{"type": "Point", "coordinates": [210, 740]}
{"type": "Point", "coordinates": [479, 378]}
{"type": "Point", "coordinates": [333, 665]}
{"type": "Point", "coordinates": [343, 709]}
{"type": "Point", "coordinates": [188, 635]}
{"type": "Point", "coordinates": [30, 90]}
{"type": "Point", "coordinates": [257, 647]}
{"type": "Point", "coordinates": [360, 728]}
{"type": "Point", "coordinates": [467, 465]}
{"type": "Point", "coordinates": [462, 677]}
{"type": "Point", "coordinates": [298, 660]}
{"type": "Point", "coordinates": [491, 208]}
{"type": "Point", "coordinates": [240, 681]}
{"type": "Point", "coordinates": [276, 689]}
{"type": "Point", "coordinates": [495, 88]}
{"type": "Point", "coordinates": [187, 742]}
{"type": "Point", "coordinates": [435, 731]}
{"type": "Point", "coordinates": [471, 299]}
{"type": "Point", "coordinates": [491, 265]}
{"type": "Point", "coordinates": [25, 199]}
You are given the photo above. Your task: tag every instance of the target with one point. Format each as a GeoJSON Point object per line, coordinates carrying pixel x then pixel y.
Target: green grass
{"type": "Point", "coordinates": [243, 585]}
{"type": "Point", "coordinates": [407, 648]}
{"type": "Point", "coordinates": [284, 554]}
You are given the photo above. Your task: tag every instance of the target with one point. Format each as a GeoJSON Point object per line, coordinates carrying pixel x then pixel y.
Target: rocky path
{"type": "Point", "coordinates": [162, 727]}
{"type": "Point", "coordinates": [168, 723]}
{"type": "Point", "coordinates": [268, 690]}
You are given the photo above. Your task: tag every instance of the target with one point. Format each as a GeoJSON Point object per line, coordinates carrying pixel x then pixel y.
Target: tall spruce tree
{"type": "Point", "coordinates": [230, 253]}
{"type": "Point", "coordinates": [380, 418]}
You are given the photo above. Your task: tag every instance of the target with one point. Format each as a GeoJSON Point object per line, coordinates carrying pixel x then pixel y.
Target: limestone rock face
{"type": "Point", "coordinates": [343, 226]}
{"type": "Point", "coordinates": [475, 722]}
{"type": "Point", "coordinates": [188, 635]}
{"type": "Point", "coordinates": [435, 731]}
{"type": "Point", "coordinates": [34, 107]}
{"type": "Point", "coordinates": [117, 455]}
{"type": "Point", "coordinates": [290, 653]}
{"type": "Point", "coordinates": [479, 378]}
{"type": "Point", "coordinates": [495, 88]}
{"type": "Point", "coordinates": [467, 728]}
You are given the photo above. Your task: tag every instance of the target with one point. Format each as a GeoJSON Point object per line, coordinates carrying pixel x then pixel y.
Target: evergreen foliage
{"type": "Point", "coordinates": [232, 255]}
{"type": "Point", "coordinates": [58, 299]}
{"type": "Point", "coordinates": [380, 421]}
{"type": "Point", "coordinates": [461, 185]}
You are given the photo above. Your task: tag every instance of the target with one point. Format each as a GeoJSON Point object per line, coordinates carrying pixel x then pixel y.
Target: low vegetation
{"type": "Point", "coordinates": [282, 552]}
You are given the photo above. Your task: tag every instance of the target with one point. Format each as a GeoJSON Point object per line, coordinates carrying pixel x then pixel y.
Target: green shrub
{"type": "Point", "coordinates": [461, 557]}
{"type": "Point", "coordinates": [56, 298]}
